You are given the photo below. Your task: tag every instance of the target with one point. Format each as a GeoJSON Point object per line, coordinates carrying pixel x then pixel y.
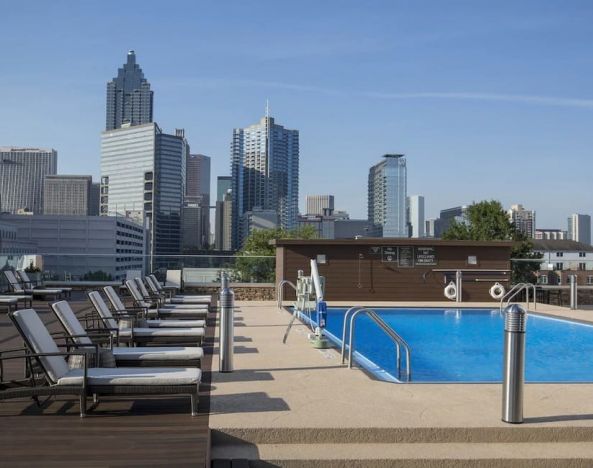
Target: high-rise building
{"type": "Point", "coordinates": [387, 196]}
{"type": "Point", "coordinates": [223, 224]}
{"type": "Point", "coordinates": [67, 195]}
{"type": "Point", "coordinates": [320, 204]}
{"type": "Point", "coordinates": [551, 234]}
{"type": "Point", "coordinates": [447, 216]}
{"type": "Point", "coordinates": [416, 215]}
{"type": "Point", "coordinates": [433, 228]}
{"type": "Point", "coordinates": [265, 174]}
{"type": "Point", "coordinates": [196, 232]}
{"type": "Point", "coordinates": [223, 185]}
{"type": "Point", "coordinates": [22, 172]}
{"type": "Point", "coordinates": [197, 175]}
{"type": "Point", "coordinates": [143, 177]}
{"type": "Point", "coordinates": [129, 98]}
{"type": "Point", "coordinates": [95, 200]}
{"type": "Point", "coordinates": [524, 220]}
{"type": "Point", "coordinates": [579, 228]}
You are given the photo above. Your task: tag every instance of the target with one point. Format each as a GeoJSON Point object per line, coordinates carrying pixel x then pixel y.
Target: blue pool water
{"type": "Point", "coordinates": [465, 345]}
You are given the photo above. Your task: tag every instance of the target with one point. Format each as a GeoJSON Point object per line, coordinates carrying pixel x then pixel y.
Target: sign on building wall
{"type": "Point", "coordinates": [389, 254]}
{"type": "Point", "coordinates": [426, 256]}
{"type": "Point", "coordinates": [406, 257]}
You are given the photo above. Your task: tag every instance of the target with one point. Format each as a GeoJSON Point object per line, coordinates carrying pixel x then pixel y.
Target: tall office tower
{"type": "Point", "coordinates": [416, 215]}
{"type": "Point", "coordinates": [143, 178]}
{"type": "Point", "coordinates": [129, 98]}
{"type": "Point", "coordinates": [67, 195]}
{"type": "Point", "coordinates": [223, 185]}
{"type": "Point", "coordinates": [579, 228]}
{"type": "Point", "coordinates": [197, 201]}
{"type": "Point", "coordinates": [387, 196]}
{"type": "Point", "coordinates": [22, 171]}
{"type": "Point", "coordinates": [320, 204]}
{"type": "Point", "coordinates": [523, 219]}
{"type": "Point", "coordinates": [447, 216]}
{"type": "Point", "coordinates": [223, 224]}
{"type": "Point", "coordinates": [265, 174]}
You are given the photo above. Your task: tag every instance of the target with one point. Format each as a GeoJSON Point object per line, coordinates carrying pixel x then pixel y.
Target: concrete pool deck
{"type": "Point", "coordinates": [287, 394]}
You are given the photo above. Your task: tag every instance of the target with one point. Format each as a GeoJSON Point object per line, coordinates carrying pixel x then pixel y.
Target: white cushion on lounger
{"type": "Point", "coordinates": [8, 300]}
{"type": "Point", "coordinates": [72, 325]}
{"type": "Point", "coordinates": [203, 307]}
{"type": "Point", "coordinates": [163, 332]}
{"type": "Point", "coordinates": [41, 342]}
{"type": "Point", "coordinates": [176, 323]}
{"type": "Point", "coordinates": [157, 353]}
{"type": "Point", "coordinates": [178, 312]}
{"type": "Point", "coordinates": [134, 376]}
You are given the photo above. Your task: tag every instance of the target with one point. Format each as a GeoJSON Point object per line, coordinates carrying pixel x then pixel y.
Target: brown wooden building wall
{"type": "Point", "coordinates": [366, 270]}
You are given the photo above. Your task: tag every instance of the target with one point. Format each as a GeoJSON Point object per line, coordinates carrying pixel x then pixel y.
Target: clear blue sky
{"type": "Point", "coordinates": [487, 99]}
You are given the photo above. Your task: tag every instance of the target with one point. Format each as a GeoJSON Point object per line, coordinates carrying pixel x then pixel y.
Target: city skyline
{"type": "Point", "coordinates": [462, 122]}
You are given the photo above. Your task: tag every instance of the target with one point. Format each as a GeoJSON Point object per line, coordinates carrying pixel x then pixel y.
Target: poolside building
{"type": "Point", "coordinates": [75, 246]}
{"type": "Point", "coordinates": [387, 191]}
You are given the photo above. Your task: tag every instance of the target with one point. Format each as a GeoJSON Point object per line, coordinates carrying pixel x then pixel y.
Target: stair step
{"type": "Point", "coordinates": [425, 455]}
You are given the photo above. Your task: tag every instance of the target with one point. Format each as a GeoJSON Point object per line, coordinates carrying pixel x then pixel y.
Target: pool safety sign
{"type": "Point", "coordinates": [389, 254]}
{"type": "Point", "coordinates": [426, 256]}
{"type": "Point", "coordinates": [406, 256]}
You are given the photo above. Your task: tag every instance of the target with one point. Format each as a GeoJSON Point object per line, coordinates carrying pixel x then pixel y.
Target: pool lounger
{"type": "Point", "coordinates": [19, 289]}
{"type": "Point", "coordinates": [154, 309]}
{"type": "Point", "coordinates": [96, 381]}
{"type": "Point", "coordinates": [25, 281]}
{"type": "Point", "coordinates": [183, 356]}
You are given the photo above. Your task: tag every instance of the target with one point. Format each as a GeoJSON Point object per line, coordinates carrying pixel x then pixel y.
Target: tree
{"type": "Point", "coordinates": [256, 260]}
{"type": "Point", "coordinates": [487, 221]}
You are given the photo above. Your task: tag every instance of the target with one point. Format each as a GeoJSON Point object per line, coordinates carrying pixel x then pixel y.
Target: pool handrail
{"type": "Point", "coordinates": [515, 290]}
{"type": "Point", "coordinates": [345, 326]}
{"type": "Point", "coordinates": [391, 333]}
{"type": "Point", "coordinates": [280, 291]}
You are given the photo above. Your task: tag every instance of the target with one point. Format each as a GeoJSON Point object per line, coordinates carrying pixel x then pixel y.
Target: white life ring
{"type": "Point", "coordinates": [451, 291]}
{"type": "Point", "coordinates": [497, 291]}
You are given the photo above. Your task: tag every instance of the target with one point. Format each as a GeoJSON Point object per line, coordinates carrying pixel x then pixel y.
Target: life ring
{"type": "Point", "coordinates": [497, 291]}
{"type": "Point", "coordinates": [451, 291]}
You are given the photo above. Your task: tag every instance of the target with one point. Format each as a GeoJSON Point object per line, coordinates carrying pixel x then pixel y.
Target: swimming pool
{"type": "Point", "coordinates": [466, 345]}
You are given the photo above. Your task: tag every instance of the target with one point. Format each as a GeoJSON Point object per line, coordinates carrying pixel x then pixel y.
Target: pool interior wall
{"type": "Point", "coordinates": [465, 345]}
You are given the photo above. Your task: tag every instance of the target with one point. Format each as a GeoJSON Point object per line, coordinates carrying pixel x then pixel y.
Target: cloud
{"type": "Point", "coordinates": [557, 101]}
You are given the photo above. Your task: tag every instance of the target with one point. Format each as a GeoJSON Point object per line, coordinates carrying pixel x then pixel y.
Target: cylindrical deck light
{"type": "Point", "coordinates": [227, 312]}
{"type": "Point", "coordinates": [513, 364]}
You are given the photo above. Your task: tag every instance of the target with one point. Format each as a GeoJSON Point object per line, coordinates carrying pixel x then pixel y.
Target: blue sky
{"type": "Point", "coordinates": [486, 99]}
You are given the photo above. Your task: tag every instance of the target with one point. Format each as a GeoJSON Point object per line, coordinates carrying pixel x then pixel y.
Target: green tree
{"type": "Point", "coordinates": [252, 264]}
{"type": "Point", "coordinates": [487, 221]}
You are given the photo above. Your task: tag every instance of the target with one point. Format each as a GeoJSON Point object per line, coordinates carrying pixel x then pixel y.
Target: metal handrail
{"type": "Point", "coordinates": [345, 326]}
{"type": "Point", "coordinates": [391, 333]}
{"type": "Point", "coordinates": [280, 290]}
{"type": "Point", "coordinates": [515, 290]}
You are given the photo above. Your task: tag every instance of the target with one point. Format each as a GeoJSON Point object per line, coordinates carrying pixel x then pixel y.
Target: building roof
{"type": "Point", "coordinates": [561, 245]}
{"type": "Point", "coordinates": [389, 241]}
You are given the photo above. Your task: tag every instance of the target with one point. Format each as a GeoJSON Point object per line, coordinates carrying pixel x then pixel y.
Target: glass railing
{"type": "Point", "coordinates": [95, 267]}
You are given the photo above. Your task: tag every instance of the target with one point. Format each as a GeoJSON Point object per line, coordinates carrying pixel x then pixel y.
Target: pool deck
{"type": "Point", "coordinates": [294, 394]}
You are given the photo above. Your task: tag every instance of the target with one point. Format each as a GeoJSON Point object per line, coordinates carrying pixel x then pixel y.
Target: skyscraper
{"type": "Point", "coordinates": [197, 202]}
{"type": "Point", "coordinates": [223, 224]}
{"type": "Point", "coordinates": [223, 185]}
{"type": "Point", "coordinates": [319, 204]}
{"type": "Point", "coordinates": [265, 173]}
{"type": "Point", "coordinates": [129, 98]}
{"type": "Point", "coordinates": [579, 228]}
{"type": "Point", "coordinates": [523, 219]}
{"type": "Point", "coordinates": [143, 177]}
{"type": "Point", "coordinates": [67, 195]}
{"type": "Point", "coordinates": [387, 196]}
{"type": "Point", "coordinates": [22, 172]}
{"type": "Point", "coordinates": [416, 215]}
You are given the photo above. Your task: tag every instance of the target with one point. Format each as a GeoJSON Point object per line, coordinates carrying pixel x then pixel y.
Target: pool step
{"type": "Point", "coordinates": [425, 455]}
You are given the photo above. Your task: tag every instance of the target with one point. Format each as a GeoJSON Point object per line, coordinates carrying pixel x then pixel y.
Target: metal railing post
{"type": "Point", "coordinates": [459, 286]}
{"type": "Point", "coordinates": [513, 364]}
{"type": "Point", "coordinates": [227, 312]}
{"type": "Point", "coordinates": [573, 292]}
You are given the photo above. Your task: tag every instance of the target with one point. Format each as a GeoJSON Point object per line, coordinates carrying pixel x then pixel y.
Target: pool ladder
{"type": "Point", "coordinates": [399, 342]}
{"type": "Point", "coordinates": [280, 291]}
{"type": "Point", "coordinates": [515, 290]}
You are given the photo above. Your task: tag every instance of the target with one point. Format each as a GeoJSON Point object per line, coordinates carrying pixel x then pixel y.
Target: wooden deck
{"type": "Point", "coordinates": [142, 431]}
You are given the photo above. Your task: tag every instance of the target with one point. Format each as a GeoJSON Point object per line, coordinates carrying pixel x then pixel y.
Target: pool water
{"type": "Point", "coordinates": [466, 345]}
